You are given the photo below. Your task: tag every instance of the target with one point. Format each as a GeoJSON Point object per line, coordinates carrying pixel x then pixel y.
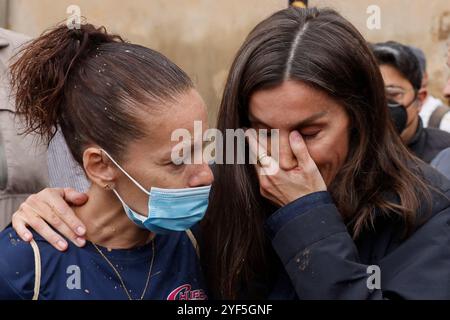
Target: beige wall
{"type": "Point", "coordinates": [199, 35]}
{"type": "Point", "coordinates": [3, 13]}
{"type": "Point", "coordinates": [421, 23]}
{"type": "Point", "coordinates": [202, 36]}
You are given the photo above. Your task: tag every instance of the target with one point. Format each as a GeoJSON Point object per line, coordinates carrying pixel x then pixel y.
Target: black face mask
{"type": "Point", "coordinates": [398, 115]}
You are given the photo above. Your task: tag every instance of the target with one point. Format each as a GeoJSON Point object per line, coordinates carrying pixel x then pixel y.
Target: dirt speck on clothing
{"type": "Point", "coordinates": [302, 259]}
{"type": "Point", "coordinates": [14, 241]}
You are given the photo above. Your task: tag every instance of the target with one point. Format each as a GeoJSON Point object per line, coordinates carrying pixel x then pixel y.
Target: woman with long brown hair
{"type": "Point", "coordinates": [350, 214]}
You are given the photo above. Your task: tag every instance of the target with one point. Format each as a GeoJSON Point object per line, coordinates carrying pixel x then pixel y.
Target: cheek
{"type": "Point", "coordinates": [170, 177]}
{"type": "Point", "coordinates": [326, 153]}
{"type": "Point", "coordinates": [329, 153]}
{"type": "Point", "coordinates": [152, 175]}
{"type": "Point", "coordinates": [177, 177]}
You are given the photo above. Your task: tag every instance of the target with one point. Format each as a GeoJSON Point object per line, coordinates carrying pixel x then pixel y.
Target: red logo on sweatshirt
{"type": "Point", "coordinates": [184, 292]}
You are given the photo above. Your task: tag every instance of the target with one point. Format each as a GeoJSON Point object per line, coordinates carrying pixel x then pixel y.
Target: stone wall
{"type": "Point", "coordinates": [202, 36]}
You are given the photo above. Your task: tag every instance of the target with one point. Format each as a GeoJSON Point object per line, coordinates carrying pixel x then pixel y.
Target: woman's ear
{"type": "Point", "coordinates": [98, 168]}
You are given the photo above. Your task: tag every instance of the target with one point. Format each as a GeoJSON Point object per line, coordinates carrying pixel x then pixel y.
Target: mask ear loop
{"type": "Point", "coordinates": [126, 173]}
{"type": "Point", "coordinates": [135, 215]}
{"type": "Point", "coordinates": [416, 99]}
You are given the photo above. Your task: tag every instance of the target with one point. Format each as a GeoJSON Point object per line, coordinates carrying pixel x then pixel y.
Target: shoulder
{"type": "Point", "coordinates": [13, 248]}
{"type": "Point", "coordinates": [439, 187]}
{"type": "Point", "coordinates": [443, 156]}
{"type": "Point", "coordinates": [434, 177]}
{"type": "Point", "coordinates": [196, 232]}
{"type": "Point", "coordinates": [184, 242]}
{"type": "Point", "coordinates": [16, 266]}
{"type": "Point", "coordinates": [17, 263]}
{"type": "Point", "coordinates": [442, 162]}
{"type": "Point", "coordinates": [180, 251]}
{"type": "Point", "coordinates": [12, 41]}
{"type": "Point", "coordinates": [438, 137]}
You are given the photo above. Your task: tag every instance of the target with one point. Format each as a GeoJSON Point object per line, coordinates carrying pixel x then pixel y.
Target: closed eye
{"type": "Point", "coordinates": [310, 135]}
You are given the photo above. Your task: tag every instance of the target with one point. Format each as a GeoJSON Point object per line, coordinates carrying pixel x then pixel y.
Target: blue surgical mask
{"type": "Point", "coordinates": [168, 209]}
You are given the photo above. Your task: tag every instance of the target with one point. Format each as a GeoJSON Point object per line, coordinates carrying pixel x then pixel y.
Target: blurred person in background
{"type": "Point", "coordinates": [402, 77]}
{"type": "Point", "coordinates": [434, 113]}
{"type": "Point", "coordinates": [442, 161]}
{"type": "Point", "coordinates": [23, 167]}
{"type": "Point", "coordinates": [446, 90]}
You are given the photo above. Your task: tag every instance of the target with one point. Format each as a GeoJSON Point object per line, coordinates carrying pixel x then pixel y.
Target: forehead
{"type": "Point", "coordinates": [393, 77]}
{"type": "Point", "coordinates": [183, 112]}
{"type": "Point", "coordinates": [289, 103]}
{"type": "Point", "coordinates": [180, 114]}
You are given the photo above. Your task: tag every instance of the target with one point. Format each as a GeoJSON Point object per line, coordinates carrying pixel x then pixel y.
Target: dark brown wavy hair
{"type": "Point", "coordinates": [321, 48]}
{"type": "Point", "coordinates": [91, 84]}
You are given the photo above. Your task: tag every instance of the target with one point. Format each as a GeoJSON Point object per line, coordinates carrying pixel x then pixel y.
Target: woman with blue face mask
{"type": "Point", "coordinates": [109, 99]}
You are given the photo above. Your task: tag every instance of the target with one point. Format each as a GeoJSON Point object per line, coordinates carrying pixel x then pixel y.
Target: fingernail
{"type": "Point", "coordinates": [295, 135]}
{"type": "Point", "coordinates": [80, 242]}
{"type": "Point", "coordinates": [80, 231]}
{"type": "Point", "coordinates": [61, 244]}
{"type": "Point", "coordinates": [27, 236]}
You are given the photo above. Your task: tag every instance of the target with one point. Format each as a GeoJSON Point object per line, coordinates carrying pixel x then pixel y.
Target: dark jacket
{"type": "Point", "coordinates": [322, 260]}
{"type": "Point", "coordinates": [428, 142]}
{"type": "Point", "coordinates": [442, 162]}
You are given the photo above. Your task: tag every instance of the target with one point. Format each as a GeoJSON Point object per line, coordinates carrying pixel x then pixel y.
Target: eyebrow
{"type": "Point", "coordinates": [302, 123]}
{"type": "Point", "coordinates": [191, 147]}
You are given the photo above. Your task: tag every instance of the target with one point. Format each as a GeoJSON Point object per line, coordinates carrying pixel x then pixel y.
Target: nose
{"type": "Point", "coordinates": [202, 176]}
{"type": "Point", "coordinates": [287, 159]}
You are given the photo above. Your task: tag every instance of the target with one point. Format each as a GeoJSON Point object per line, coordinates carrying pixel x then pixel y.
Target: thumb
{"type": "Point", "coordinates": [74, 197]}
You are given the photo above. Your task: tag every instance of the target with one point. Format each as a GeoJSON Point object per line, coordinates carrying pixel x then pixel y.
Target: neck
{"type": "Point", "coordinates": [410, 131]}
{"type": "Point", "coordinates": [106, 222]}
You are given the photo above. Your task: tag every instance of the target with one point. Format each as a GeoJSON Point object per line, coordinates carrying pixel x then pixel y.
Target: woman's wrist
{"type": "Point", "coordinates": [297, 207]}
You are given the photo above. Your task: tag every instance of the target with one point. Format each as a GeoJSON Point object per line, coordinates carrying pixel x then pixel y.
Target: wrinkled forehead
{"type": "Point", "coordinates": [290, 104]}
{"type": "Point", "coordinates": [184, 118]}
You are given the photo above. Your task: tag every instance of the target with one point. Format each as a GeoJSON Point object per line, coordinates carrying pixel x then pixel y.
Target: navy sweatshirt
{"type": "Point", "coordinates": [83, 274]}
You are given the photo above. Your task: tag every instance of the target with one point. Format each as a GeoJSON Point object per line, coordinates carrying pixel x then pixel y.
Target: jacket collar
{"type": "Point", "coordinates": [4, 43]}
{"type": "Point", "coordinates": [5, 105]}
{"type": "Point", "coordinates": [418, 134]}
{"type": "Point", "coordinates": [418, 142]}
